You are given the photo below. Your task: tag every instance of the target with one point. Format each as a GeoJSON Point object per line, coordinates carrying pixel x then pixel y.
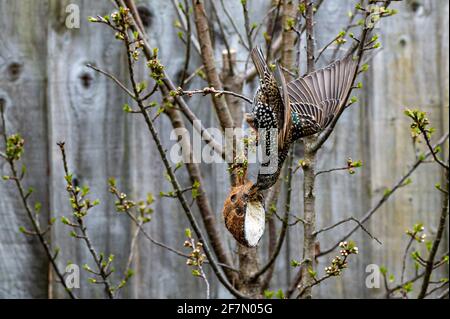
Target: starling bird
{"type": "Point", "coordinates": [300, 108]}
{"type": "Point", "coordinates": [287, 112]}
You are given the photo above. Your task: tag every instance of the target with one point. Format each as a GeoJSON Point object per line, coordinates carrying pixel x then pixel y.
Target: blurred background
{"type": "Point", "coordinates": [50, 95]}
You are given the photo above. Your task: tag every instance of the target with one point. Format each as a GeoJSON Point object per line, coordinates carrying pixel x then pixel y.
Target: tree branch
{"type": "Point", "coordinates": [217, 93]}
{"type": "Point", "coordinates": [437, 239]}
{"type": "Point", "coordinates": [173, 180]}
{"type": "Point", "coordinates": [284, 226]}
{"type": "Point", "coordinates": [309, 238]}
{"type": "Point", "coordinates": [386, 196]}
{"type": "Point", "coordinates": [203, 33]}
{"type": "Point", "coordinates": [344, 221]}
{"type": "Point", "coordinates": [32, 218]}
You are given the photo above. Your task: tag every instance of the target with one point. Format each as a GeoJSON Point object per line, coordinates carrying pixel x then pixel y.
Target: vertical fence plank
{"type": "Point", "coordinates": [84, 113]}
{"type": "Point", "coordinates": [409, 78]}
{"type": "Point", "coordinates": [23, 48]}
{"type": "Point", "coordinates": [84, 109]}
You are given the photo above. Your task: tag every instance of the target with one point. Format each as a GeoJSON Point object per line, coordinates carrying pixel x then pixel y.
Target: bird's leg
{"type": "Point", "coordinates": [250, 119]}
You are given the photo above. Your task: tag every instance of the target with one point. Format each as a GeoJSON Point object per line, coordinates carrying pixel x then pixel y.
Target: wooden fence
{"type": "Point", "coordinates": [50, 96]}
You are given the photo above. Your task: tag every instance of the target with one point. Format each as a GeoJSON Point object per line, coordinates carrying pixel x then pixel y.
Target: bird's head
{"type": "Point", "coordinates": [244, 214]}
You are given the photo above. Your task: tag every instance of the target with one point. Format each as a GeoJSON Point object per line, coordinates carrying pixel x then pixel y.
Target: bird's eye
{"type": "Point", "coordinates": [233, 198]}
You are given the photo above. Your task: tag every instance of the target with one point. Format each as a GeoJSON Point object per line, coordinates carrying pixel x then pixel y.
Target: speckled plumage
{"type": "Point", "coordinates": [300, 108]}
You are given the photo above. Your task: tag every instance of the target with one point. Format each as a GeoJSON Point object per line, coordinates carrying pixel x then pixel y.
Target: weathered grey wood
{"type": "Point", "coordinates": [410, 78]}
{"type": "Point", "coordinates": [23, 51]}
{"type": "Point", "coordinates": [169, 221]}
{"type": "Point", "coordinates": [84, 109]}
{"type": "Point", "coordinates": [85, 112]}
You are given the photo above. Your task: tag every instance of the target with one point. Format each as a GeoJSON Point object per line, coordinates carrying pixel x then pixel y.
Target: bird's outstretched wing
{"type": "Point", "coordinates": [274, 85]}
{"type": "Point", "coordinates": [317, 97]}
{"type": "Point", "coordinates": [285, 112]}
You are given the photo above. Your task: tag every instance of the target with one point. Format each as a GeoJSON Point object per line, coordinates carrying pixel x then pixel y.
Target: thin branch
{"type": "Point", "coordinates": [442, 285]}
{"type": "Point", "coordinates": [112, 77]}
{"type": "Point", "coordinates": [359, 48]}
{"type": "Point", "coordinates": [332, 170]}
{"type": "Point", "coordinates": [185, 24]}
{"type": "Point", "coordinates": [193, 119]}
{"type": "Point", "coordinates": [193, 75]}
{"type": "Point", "coordinates": [79, 212]}
{"type": "Point", "coordinates": [315, 282]}
{"type": "Point", "coordinates": [321, 51]}
{"type": "Point", "coordinates": [158, 243]}
{"type": "Point", "coordinates": [276, 46]}
{"type": "Point", "coordinates": [386, 196]}
{"type": "Point", "coordinates": [193, 169]}
{"type": "Point", "coordinates": [284, 226]}
{"type": "Point", "coordinates": [188, 41]}
{"type": "Point", "coordinates": [202, 200]}
{"type": "Point", "coordinates": [168, 82]}
{"type": "Point", "coordinates": [390, 291]}
{"type": "Point", "coordinates": [248, 31]}
{"type": "Point", "coordinates": [346, 29]}
{"type": "Point", "coordinates": [33, 219]}
{"type": "Point", "coordinates": [222, 32]}
{"type": "Point", "coordinates": [233, 24]}
{"type": "Point", "coordinates": [294, 284]}
{"type": "Point", "coordinates": [211, 90]}
{"type": "Point", "coordinates": [173, 179]}
{"type": "Point", "coordinates": [432, 150]}
{"type": "Point", "coordinates": [405, 255]}
{"type": "Point", "coordinates": [437, 239]}
{"type": "Point", "coordinates": [345, 221]}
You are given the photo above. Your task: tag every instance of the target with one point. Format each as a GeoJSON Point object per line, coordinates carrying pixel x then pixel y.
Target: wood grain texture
{"type": "Point", "coordinates": [85, 112]}
{"type": "Point", "coordinates": [23, 53]}
{"type": "Point", "coordinates": [55, 97]}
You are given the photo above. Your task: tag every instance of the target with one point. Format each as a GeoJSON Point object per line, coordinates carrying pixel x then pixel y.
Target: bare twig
{"type": "Point", "coordinates": [184, 22]}
{"type": "Point", "coordinates": [325, 47]}
{"type": "Point", "coordinates": [112, 77]}
{"type": "Point", "coordinates": [173, 179]}
{"type": "Point", "coordinates": [206, 211]}
{"type": "Point", "coordinates": [386, 196]}
{"type": "Point", "coordinates": [225, 41]}
{"type": "Point", "coordinates": [442, 285]}
{"type": "Point", "coordinates": [344, 221]}
{"type": "Point", "coordinates": [186, 13]}
{"type": "Point", "coordinates": [437, 239]}
{"type": "Point", "coordinates": [248, 31]}
{"type": "Point", "coordinates": [233, 24]}
{"type": "Point", "coordinates": [51, 255]}
{"type": "Point", "coordinates": [193, 169]}
{"type": "Point", "coordinates": [211, 90]}
{"type": "Point", "coordinates": [351, 18]}
{"type": "Point", "coordinates": [359, 47]}
{"type": "Point", "coordinates": [79, 210]}
{"type": "Point", "coordinates": [332, 170]}
{"type": "Point", "coordinates": [284, 226]}
{"type": "Point", "coordinates": [193, 119]}
{"type": "Point", "coordinates": [405, 255]}
{"type": "Point", "coordinates": [432, 150]}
